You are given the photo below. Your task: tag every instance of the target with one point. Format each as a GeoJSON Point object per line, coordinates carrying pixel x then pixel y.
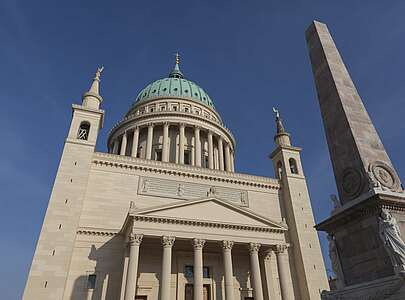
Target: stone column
{"type": "Point", "coordinates": [181, 143]}
{"type": "Point", "coordinates": [165, 284]}
{"type": "Point", "coordinates": [221, 154]}
{"type": "Point", "coordinates": [149, 141]}
{"type": "Point", "coordinates": [283, 267]}
{"type": "Point", "coordinates": [228, 271]}
{"type": "Point", "coordinates": [123, 143]}
{"type": "Point", "coordinates": [198, 245]}
{"type": "Point", "coordinates": [135, 142]}
{"type": "Point", "coordinates": [227, 158]}
{"type": "Point", "coordinates": [268, 273]}
{"type": "Point", "coordinates": [255, 269]}
{"type": "Point", "coordinates": [165, 150]}
{"type": "Point", "coordinates": [232, 160]}
{"type": "Point", "coordinates": [132, 273]}
{"type": "Point", "coordinates": [210, 151]}
{"type": "Point", "coordinates": [197, 146]}
{"type": "Point", "coordinates": [115, 147]}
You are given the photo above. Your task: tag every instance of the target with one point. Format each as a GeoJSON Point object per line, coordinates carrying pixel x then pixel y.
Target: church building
{"type": "Point", "coordinates": [164, 215]}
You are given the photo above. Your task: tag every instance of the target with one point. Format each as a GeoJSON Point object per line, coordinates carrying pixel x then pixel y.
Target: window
{"type": "Point", "coordinates": [84, 129]}
{"type": "Point", "coordinates": [158, 154]}
{"type": "Point", "coordinates": [189, 272]}
{"type": "Point", "coordinates": [187, 157]}
{"type": "Point", "coordinates": [205, 161]}
{"type": "Point", "coordinates": [91, 281]}
{"type": "Point", "coordinates": [279, 169]}
{"type": "Point", "coordinates": [139, 152]}
{"type": "Point", "coordinates": [293, 166]}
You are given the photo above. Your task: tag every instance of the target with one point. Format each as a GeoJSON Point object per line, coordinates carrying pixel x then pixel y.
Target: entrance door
{"type": "Point", "coordinates": [189, 292]}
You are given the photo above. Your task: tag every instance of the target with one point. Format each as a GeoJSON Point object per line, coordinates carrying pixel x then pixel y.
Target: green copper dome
{"type": "Point", "coordinates": [174, 86]}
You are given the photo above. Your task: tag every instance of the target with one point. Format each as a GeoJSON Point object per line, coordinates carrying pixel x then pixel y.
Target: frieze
{"type": "Point", "coordinates": [152, 186]}
{"type": "Point", "coordinates": [133, 164]}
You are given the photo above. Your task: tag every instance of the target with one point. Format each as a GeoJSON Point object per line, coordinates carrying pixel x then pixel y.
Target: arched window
{"type": "Point", "coordinates": [84, 129]}
{"type": "Point", "coordinates": [293, 166]}
{"type": "Point", "coordinates": [279, 169]}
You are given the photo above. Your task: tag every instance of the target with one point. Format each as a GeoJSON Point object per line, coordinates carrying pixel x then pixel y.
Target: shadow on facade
{"type": "Point", "coordinates": [109, 259]}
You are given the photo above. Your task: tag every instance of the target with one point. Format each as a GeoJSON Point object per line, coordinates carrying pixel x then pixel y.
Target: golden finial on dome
{"type": "Point", "coordinates": [177, 58]}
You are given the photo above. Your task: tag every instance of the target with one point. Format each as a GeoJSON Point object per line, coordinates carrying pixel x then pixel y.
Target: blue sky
{"type": "Point", "coordinates": [248, 55]}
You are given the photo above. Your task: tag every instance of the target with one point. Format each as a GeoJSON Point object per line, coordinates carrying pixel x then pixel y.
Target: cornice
{"type": "Point", "coordinates": [203, 223]}
{"type": "Point", "coordinates": [96, 232]}
{"type": "Point", "coordinates": [132, 163]}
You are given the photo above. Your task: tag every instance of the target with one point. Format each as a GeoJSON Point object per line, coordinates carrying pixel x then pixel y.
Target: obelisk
{"type": "Point", "coordinates": [357, 153]}
{"type": "Point", "coordinates": [368, 185]}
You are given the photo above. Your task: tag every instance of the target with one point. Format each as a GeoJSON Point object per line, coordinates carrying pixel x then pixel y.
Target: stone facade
{"type": "Point", "coordinates": [132, 225]}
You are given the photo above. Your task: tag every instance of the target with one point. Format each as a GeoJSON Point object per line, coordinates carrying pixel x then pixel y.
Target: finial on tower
{"type": "Point", "coordinates": [281, 137]}
{"type": "Point", "coordinates": [177, 58]}
{"type": "Point", "coordinates": [176, 73]}
{"type": "Point", "coordinates": [92, 98]}
{"type": "Point", "coordinates": [98, 73]}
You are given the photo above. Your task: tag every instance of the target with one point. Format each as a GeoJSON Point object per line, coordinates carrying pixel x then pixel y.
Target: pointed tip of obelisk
{"type": "Point", "coordinates": [314, 27]}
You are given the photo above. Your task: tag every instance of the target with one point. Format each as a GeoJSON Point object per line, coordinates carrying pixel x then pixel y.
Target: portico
{"type": "Point", "coordinates": [199, 238]}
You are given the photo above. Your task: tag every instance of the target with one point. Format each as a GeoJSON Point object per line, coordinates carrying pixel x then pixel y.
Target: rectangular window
{"type": "Point", "coordinates": [91, 281]}
{"type": "Point", "coordinates": [158, 155]}
{"type": "Point", "coordinates": [189, 272]}
{"type": "Point", "coordinates": [205, 161]}
{"type": "Point", "coordinates": [187, 157]}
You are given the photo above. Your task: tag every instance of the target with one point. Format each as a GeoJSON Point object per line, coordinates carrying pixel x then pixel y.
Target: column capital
{"type": "Point", "coordinates": [135, 239]}
{"type": "Point", "coordinates": [168, 241]}
{"type": "Point", "coordinates": [182, 124]}
{"type": "Point", "coordinates": [197, 127]}
{"type": "Point", "coordinates": [280, 249]}
{"type": "Point", "coordinates": [254, 247]}
{"type": "Point", "coordinates": [227, 245]}
{"type": "Point", "coordinates": [150, 124]}
{"type": "Point", "coordinates": [268, 254]}
{"type": "Point", "coordinates": [166, 123]}
{"type": "Point", "coordinates": [198, 243]}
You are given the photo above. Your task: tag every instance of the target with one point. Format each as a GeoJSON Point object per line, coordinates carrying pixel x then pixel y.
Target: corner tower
{"type": "Point", "coordinates": [305, 252]}
{"type": "Point", "coordinates": [50, 264]}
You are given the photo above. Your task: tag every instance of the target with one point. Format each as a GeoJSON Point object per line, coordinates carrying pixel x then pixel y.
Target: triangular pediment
{"type": "Point", "coordinates": [210, 210]}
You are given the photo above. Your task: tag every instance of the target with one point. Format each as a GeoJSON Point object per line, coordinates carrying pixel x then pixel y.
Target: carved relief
{"type": "Point", "coordinates": [382, 175]}
{"type": "Point", "coordinates": [352, 182]}
{"type": "Point", "coordinates": [190, 191]}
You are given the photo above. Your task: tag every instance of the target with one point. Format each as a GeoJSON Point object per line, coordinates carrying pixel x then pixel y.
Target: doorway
{"type": "Point", "coordinates": [189, 292]}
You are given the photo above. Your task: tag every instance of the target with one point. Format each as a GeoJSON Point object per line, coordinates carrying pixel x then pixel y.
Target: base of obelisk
{"type": "Point", "coordinates": [389, 288]}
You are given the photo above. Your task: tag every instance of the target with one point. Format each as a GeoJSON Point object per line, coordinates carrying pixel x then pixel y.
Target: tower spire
{"type": "Point", "coordinates": [282, 138]}
{"type": "Point", "coordinates": [92, 97]}
{"type": "Point", "coordinates": [176, 73]}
